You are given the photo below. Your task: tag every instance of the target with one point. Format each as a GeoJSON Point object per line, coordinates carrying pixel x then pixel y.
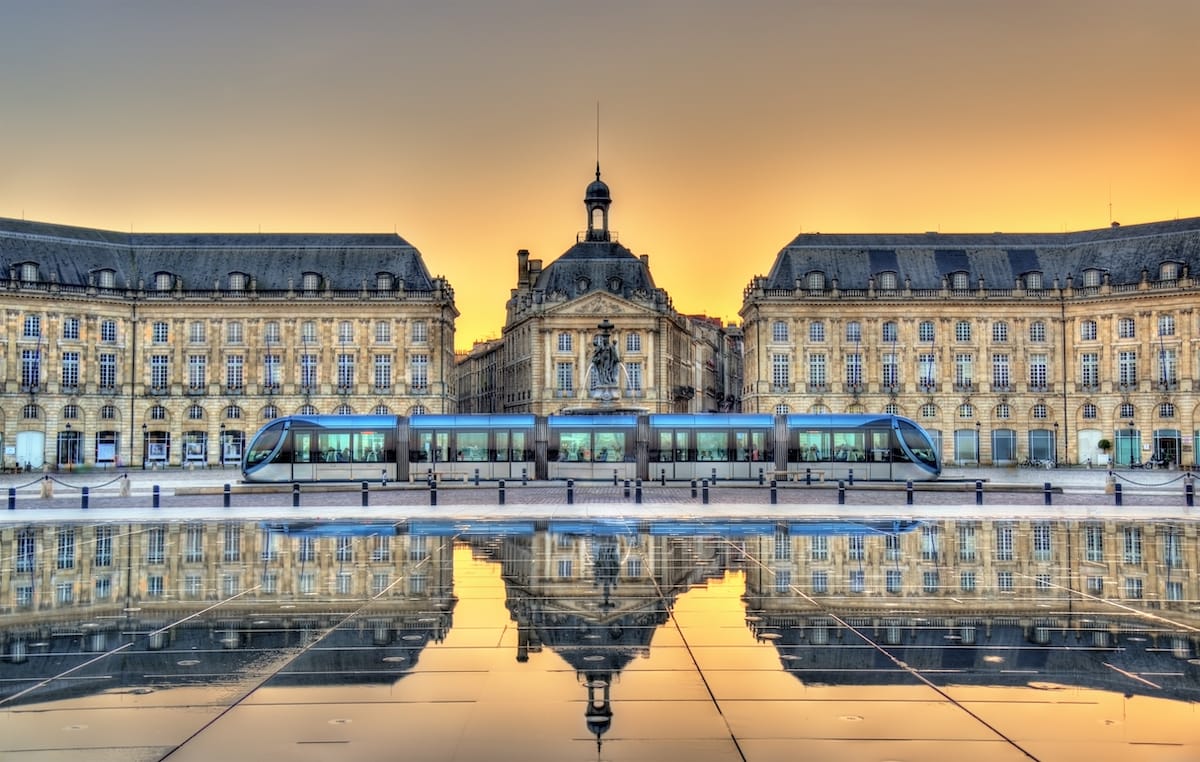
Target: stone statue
{"type": "Point", "coordinates": [605, 361]}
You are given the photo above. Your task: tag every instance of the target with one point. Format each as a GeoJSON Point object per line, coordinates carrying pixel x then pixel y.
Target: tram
{"type": "Point", "coordinates": [670, 446]}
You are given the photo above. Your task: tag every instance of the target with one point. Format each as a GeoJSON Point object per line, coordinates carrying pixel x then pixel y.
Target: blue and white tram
{"type": "Point", "coordinates": [498, 446]}
{"type": "Point", "coordinates": [592, 447]}
{"type": "Point", "coordinates": [872, 447]}
{"type": "Point", "coordinates": [324, 448]}
{"type": "Point", "coordinates": [703, 445]}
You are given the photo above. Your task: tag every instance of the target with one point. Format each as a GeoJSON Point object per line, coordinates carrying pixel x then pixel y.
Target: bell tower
{"type": "Point", "coordinates": [597, 200]}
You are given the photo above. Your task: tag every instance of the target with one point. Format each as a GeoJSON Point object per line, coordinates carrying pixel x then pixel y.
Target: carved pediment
{"type": "Point", "coordinates": [598, 305]}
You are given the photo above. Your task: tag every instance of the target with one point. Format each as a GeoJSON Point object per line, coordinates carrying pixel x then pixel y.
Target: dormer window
{"type": "Point", "coordinates": [1033, 281]}
{"type": "Point", "coordinates": [815, 281]}
{"type": "Point", "coordinates": [888, 281]}
{"type": "Point", "coordinates": [163, 281]}
{"type": "Point", "coordinates": [960, 281]}
{"type": "Point", "coordinates": [614, 285]}
{"type": "Point", "coordinates": [383, 281]}
{"type": "Point", "coordinates": [106, 278]}
{"type": "Point", "coordinates": [1168, 271]}
{"type": "Point", "coordinates": [237, 281]}
{"type": "Point", "coordinates": [1091, 278]}
{"type": "Point", "coordinates": [311, 283]}
{"type": "Point", "coordinates": [29, 272]}
{"type": "Point", "coordinates": [582, 285]}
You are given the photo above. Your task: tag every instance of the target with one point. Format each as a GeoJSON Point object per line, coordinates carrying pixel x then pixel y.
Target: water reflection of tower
{"type": "Point", "coordinates": [600, 617]}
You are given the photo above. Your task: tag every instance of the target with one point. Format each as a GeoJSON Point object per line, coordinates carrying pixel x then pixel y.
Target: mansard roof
{"type": "Point", "coordinates": [998, 258]}
{"type": "Point", "coordinates": [70, 254]}
{"type": "Point", "coordinates": [596, 266]}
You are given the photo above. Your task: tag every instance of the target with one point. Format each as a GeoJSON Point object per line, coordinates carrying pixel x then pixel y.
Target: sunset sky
{"type": "Point", "coordinates": [469, 126]}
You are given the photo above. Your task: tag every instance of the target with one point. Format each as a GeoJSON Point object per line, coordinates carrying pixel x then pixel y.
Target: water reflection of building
{"type": "Point", "coordinates": [1074, 598]}
{"type": "Point", "coordinates": [373, 598]}
{"type": "Point", "coordinates": [596, 599]}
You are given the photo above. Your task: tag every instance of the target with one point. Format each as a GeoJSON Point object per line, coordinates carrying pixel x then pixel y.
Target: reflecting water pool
{"type": "Point", "coordinates": [611, 640]}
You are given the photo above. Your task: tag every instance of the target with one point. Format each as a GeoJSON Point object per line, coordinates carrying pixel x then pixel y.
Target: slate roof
{"type": "Point", "coordinates": [69, 254]}
{"type": "Point", "coordinates": [999, 258]}
{"type": "Point", "coordinates": [603, 265]}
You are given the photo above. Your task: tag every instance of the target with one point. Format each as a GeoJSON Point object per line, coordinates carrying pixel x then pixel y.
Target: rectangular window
{"type": "Point", "coordinates": [420, 332]}
{"type": "Point", "coordinates": [854, 367]}
{"type": "Point", "coordinates": [1089, 369]}
{"type": "Point", "coordinates": [1004, 581]}
{"type": "Point", "coordinates": [234, 372]}
{"type": "Point", "coordinates": [1004, 542]}
{"type": "Point", "coordinates": [196, 332]}
{"type": "Point", "coordinates": [856, 547]}
{"type": "Point", "coordinates": [927, 369]}
{"type": "Point", "coordinates": [1133, 545]}
{"type": "Point", "coordinates": [233, 543]}
{"type": "Point", "coordinates": [966, 581]}
{"type": "Point", "coordinates": [308, 371]}
{"type": "Point", "coordinates": [233, 333]}
{"type": "Point", "coordinates": [1093, 538]}
{"type": "Point", "coordinates": [891, 371]}
{"type": "Point", "coordinates": [160, 332]}
{"type": "Point", "coordinates": [383, 371]}
{"type": "Point", "coordinates": [816, 371]}
{"type": "Point", "coordinates": [31, 368]}
{"type": "Point", "coordinates": [197, 372]}
{"type": "Point", "coordinates": [70, 369]}
{"type": "Point", "coordinates": [272, 371]}
{"type": "Point", "coordinates": [564, 342]}
{"type": "Point", "coordinates": [783, 546]}
{"type": "Point", "coordinates": [633, 371]}
{"type": "Point", "coordinates": [1133, 587]}
{"type": "Point", "coordinates": [103, 553]}
{"type": "Point", "coordinates": [894, 579]}
{"type": "Point", "coordinates": [70, 328]}
{"type": "Point", "coordinates": [345, 549]}
{"type": "Point", "coordinates": [160, 371]}
{"type": "Point", "coordinates": [108, 370]}
{"type": "Point", "coordinates": [819, 548]}
{"type": "Point", "coordinates": [930, 581]}
{"type": "Point", "coordinates": [1127, 367]}
{"type": "Point", "coordinates": [26, 551]}
{"type": "Point", "coordinates": [858, 580]}
{"type": "Point", "coordinates": [108, 330]}
{"type": "Point", "coordinates": [966, 542]}
{"type": "Point", "coordinates": [891, 547]}
{"type": "Point", "coordinates": [156, 545]}
{"type": "Point", "coordinates": [1037, 371]}
{"type": "Point", "coordinates": [154, 586]}
{"type": "Point", "coordinates": [929, 542]}
{"type": "Point", "coordinates": [64, 593]}
{"type": "Point", "coordinates": [193, 544]}
{"type": "Point", "coordinates": [781, 376]}
{"type": "Point", "coordinates": [381, 548]}
{"type": "Point", "coordinates": [1000, 372]}
{"type": "Point", "coordinates": [964, 371]}
{"type": "Point", "coordinates": [307, 552]}
{"type": "Point", "coordinates": [193, 585]}
{"type": "Point", "coordinates": [820, 582]}
{"type": "Point", "coordinates": [1168, 366]}
{"type": "Point", "coordinates": [66, 548]}
{"type": "Point", "coordinates": [564, 376]}
{"type": "Point", "coordinates": [565, 568]}
{"type": "Point", "coordinates": [103, 588]}
{"type": "Point", "coordinates": [383, 332]}
{"type": "Point", "coordinates": [1041, 541]}
{"type": "Point", "coordinates": [1172, 553]}
{"type": "Point", "coordinates": [345, 371]}
{"type": "Point", "coordinates": [345, 583]}
{"type": "Point", "coordinates": [419, 368]}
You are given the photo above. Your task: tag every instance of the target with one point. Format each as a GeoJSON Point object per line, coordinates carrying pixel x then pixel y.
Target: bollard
{"type": "Point", "coordinates": [365, 499]}
{"type": "Point", "coordinates": [570, 492]}
{"type": "Point", "coordinates": [1117, 494]}
{"type": "Point", "coordinates": [12, 498]}
{"type": "Point", "coordinates": [157, 494]}
{"type": "Point", "coordinates": [524, 477]}
{"type": "Point", "coordinates": [1046, 493]}
{"type": "Point", "coordinates": [662, 477]}
{"type": "Point", "coordinates": [614, 477]}
{"type": "Point", "coordinates": [908, 492]}
{"type": "Point", "coordinates": [978, 492]}
{"type": "Point", "coordinates": [808, 477]}
{"type": "Point", "coordinates": [477, 477]}
{"type": "Point", "coordinates": [841, 492]}
{"type": "Point", "coordinates": [714, 477]}
{"type": "Point", "coordinates": [296, 495]}
{"type": "Point", "coordinates": [1189, 494]}
{"type": "Point", "coordinates": [693, 489]}
{"type": "Point", "coordinates": [761, 477]}
{"type": "Point", "coordinates": [433, 492]}
{"type": "Point", "coordinates": [383, 478]}
{"type": "Point", "coordinates": [83, 498]}
{"type": "Point", "coordinates": [774, 493]}
{"type": "Point", "coordinates": [704, 491]}
{"type": "Point", "coordinates": [852, 477]}
{"type": "Point", "coordinates": [626, 490]}
{"type": "Point", "coordinates": [501, 495]}
{"type": "Point", "coordinates": [637, 492]}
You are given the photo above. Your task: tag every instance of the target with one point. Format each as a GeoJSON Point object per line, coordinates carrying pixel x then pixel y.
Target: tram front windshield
{"type": "Point", "coordinates": [264, 444]}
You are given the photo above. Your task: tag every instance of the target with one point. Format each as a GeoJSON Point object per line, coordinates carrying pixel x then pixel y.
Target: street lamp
{"type": "Point", "coordinates": [67, 442]}
{"type": "Point", "coordinates": [145, 443]}
{"type": "Point", "coordinates": [221, 451]}
{"type": "Point", "coordinates": [978, 447]}
{"type": "Point", "coordinates": [1056, 443]}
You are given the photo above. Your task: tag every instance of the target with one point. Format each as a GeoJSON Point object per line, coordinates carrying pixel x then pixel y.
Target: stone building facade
{"type": "Point", "coordinates": [1006, 347]}
{"type": "Point", "coordinates": [172, 349]}
{"type": "Point", "coordinates": [596, 296]}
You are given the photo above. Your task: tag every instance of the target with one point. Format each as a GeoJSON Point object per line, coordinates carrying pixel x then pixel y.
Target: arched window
{"type": "Point", "coordinates": [195, 413]}
{"type": "Point", "coordinates": [815, 281]}
{"type": "Point", "coordinates": [31, 412]}
{"type": "Point", "coordinates": [417, 410]}
{"type": "Point", "coordinates": [163, 281]}
{"type": "Point", "coordinates": [271, 332]}
{"type": "Point", "coordinates": [962, 330]}
{"type": "Point", "coordinates": [32, 328]}
{"type": "Point", "coordinates": [307, 410]}
{"type": "Point", "coordinates": [381, 410]}
{"type": "Point", "coordinates": [816, 331]}
{"type": "Point", "coordinates": [106, 278]}
{"type": "Point", "coordinates": [308, 332]}
{"type": "Point", "coordinates": [819, 409]}
{"type": "Point", "coordinates": [960, 281]}
{"type": "Point", "coordinates": [888, 281]}
{"type": "Point", "coordinates": [929, 410]}
{"type": "Point", "coordinates": [966, 410]}
{"type": "Point", "coordinates": [270, 413]}
{"type": "Point", "coordinates": [925, 331]}
{"type": "Point", "coordinates": [1089, 411]}
{"type": "Point", "coordinates": [1166, 410]}
{"type": "Point", "coordinates": [29, 272]}
{"type": "Point", "coordinates": [383, 281]}
{"type": "Point", "coordinates": [1003, 411]}
{"type": "Point", "coordinates": [1040, 411]}
{"type": "Point", "coordinates": [1092, 277]}
{"type": "Point", "coordinates": [70, 412]}
{"type": "Point", "coordinates": [1126, 410]}
{"type": "Point", "coordinates": [233, 412]}
{"type": "Point", "coordinates": [1033, 281]}
{"type": "Point", "coordinates": [891, 409]}
{"type": "Point", "coordinates": [108, 413]}
{"type": "Point", "coordinates": [1166, 325]}
{"type": "Point", "coordinates": [1168, 271]}
{"type": "Point", "coordinates": [158, 413]}
{"type": "Point", "coordinates": [346, 331]}
{"type": "Point", "coordinates": [781, 409]}
{"type": "Point", "coordinates": [310, 282]}
{"type": "Point", "coordinates": [344, 409]}
{"type": "Point", "coordinates": [237, 281]}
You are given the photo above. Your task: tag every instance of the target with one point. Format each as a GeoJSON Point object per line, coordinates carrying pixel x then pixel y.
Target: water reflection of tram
{"type": "Point", "coordinates": [515, 446]}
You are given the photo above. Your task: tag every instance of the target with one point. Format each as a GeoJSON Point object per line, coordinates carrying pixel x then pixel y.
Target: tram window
{"type": "Point", "coordinates": [471, 446]}
{"type": "Point", "coordinates": [302, 446]}
{"type": "Point", "coordinates": [682, 452]}
{"type": "Point", "coordinates": [334, 446]}
{"type": "Point", "coordinates": [610, 446]}
{"type": "Point", "coordinates": [916, 442]}
{"type": "Point", "coordinates": [881, 448]}
{"type": "Point", "coordinates": [811, 447]}
{"type": "Point", "coordinates": [575, 445]}
{"type": "Point", "coordinates": [848, 446]}
{"type": "Point", "coordinates": [520, 450]}
{"type": "Point", "coordinates": [663, 453]}
{"type": "Point", "coordinates": [264, 444]}
{"type": "Point", "coordinates": [501, 453]}
{"type": "Point", "coordinates": [370, 447]}
{"type": "Point", "coordinates": [711, 445]}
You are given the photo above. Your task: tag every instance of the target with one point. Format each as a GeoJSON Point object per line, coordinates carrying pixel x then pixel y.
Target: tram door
{"type": "Point", "coordinates": [433, 448]}
{"type": "Point", "coordinates": [303, 447]}
{"type": "Point", "coordinates": [879, 454]}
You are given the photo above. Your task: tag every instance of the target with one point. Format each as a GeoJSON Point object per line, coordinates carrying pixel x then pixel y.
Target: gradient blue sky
{"type": "Point", "coordinates": [468, 126]}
